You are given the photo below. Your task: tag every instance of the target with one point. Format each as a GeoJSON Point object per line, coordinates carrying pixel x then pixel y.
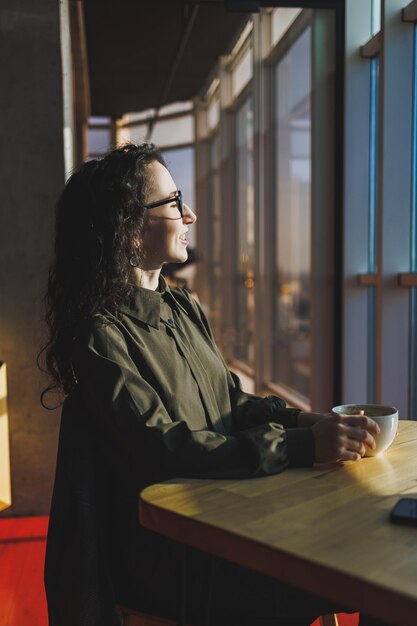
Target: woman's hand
{"type": "Point", "coordinates": [343, 437]}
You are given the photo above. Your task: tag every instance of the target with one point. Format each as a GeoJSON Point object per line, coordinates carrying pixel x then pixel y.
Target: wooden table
{"type": "Point", "coordinates": [323, 529]}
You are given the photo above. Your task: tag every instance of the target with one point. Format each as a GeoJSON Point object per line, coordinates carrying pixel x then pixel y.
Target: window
{"type": "Point", "coordinates": [180, 163]}
{"type": "Point", "coordinates": [292, 268]}
{"type": "Point", "coordinates": [245, 231]}
{"type": "Point", "coordinates": [173, 131]}
{"type": "Point", "coordinates": [370, 280]}
{"type": "Point", "coordinates": [410, 14]}
{"type": "Point", "coordinates": [379, 218]}
{"type": "Point", "coordinates": [99, 136]}
{"type": "Point", "coordinates": [216, 224]}
{"type": "Point", "coordinates": [375, 16]}
{"type": "Point", "coordinates": [273, 269]}
{"type": "Point", "coordinates": [170, 127]}
{"type": "Point", "coordinates": [242, 72]}
{"type": "Point", "coordinates": [241, 66]}
{"type": "Point", "coordinates": [281, 20]}
{"type": "Point", "coordinates": [269, 269]}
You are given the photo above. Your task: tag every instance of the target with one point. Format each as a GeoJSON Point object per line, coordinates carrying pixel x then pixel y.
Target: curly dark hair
{"type": "Point", "coordinates": [98, 215]}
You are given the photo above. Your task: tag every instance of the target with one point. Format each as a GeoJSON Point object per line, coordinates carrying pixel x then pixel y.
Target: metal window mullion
{"type": "Point", "coordinates": [227, 208]}
{"type": "Point", "coordinates": [412, 400]}
{"type": "Point", "coordinates": [260, 36]}
{"type": "Point", "coordinates": [372, 228]}
{"type": "Point", "coordinates": [373, 170]}
{"type": "Point", "coordinates": [413, 217]}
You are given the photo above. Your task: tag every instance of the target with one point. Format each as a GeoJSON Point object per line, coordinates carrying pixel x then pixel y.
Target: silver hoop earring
{"type": "Point", "coordinates": [133, 261]}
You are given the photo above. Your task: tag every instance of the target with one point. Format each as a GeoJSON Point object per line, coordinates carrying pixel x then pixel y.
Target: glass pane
{"type": "Point", "coordinates": [98, 140]}
{"type": "Point", "coordinates": [173, 132]}
{"type": "Point", "coordinates": [292, 333]}
{"type": "Point", "coordinates": [213, 113]}
{"type": "Point", "coordinates": [139, 116]}
{"type": "Point", "coordinates": [375, 17]}
{"type": "Point", "coordinates": [242, 73]}
{"type": "Point", "coordinates": [181, 165]}
{"type": "Point", "coordinates": [175, 107]}
{"type": "Point", "coordinates": [245, 293]}
{"type": "Point", "coordinates": [94, 120]}
{"type": "Point", "coordinates": [215, 192]}
{"type": "Point", "coordinates": [281, 21]}
{"type": "Point", "coordinates": [136, 134]}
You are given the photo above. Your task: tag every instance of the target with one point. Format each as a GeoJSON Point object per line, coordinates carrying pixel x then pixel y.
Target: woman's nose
{"type": "Point", "coordinates": [189, 217]}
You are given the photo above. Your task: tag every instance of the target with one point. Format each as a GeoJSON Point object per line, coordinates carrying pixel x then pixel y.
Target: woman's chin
{"type": "Point", "coordinates": [181, 257]}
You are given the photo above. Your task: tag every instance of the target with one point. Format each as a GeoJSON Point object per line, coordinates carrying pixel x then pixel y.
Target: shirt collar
{"type": "Point", "coordinates": [145, 304]}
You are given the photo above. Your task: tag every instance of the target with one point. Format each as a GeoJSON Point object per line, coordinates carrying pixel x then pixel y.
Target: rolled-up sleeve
{"type": "Point", "coordinates": [250, 410]}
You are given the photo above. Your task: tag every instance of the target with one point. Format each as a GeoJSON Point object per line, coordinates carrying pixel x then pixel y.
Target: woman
{"type": "Point", "coordinates": [149, 397]}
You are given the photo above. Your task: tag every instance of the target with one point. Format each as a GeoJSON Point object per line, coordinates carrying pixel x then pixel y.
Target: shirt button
{"type": "Point", "coordinates": [170, 322]}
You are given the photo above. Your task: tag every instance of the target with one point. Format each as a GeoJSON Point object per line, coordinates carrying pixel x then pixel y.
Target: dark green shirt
{"type": "Point", "coordinates": [154, 400]}
{"type": "Point", "coordinates": [164, 401]}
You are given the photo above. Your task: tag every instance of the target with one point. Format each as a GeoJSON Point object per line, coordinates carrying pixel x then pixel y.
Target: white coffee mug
{"type": "Point", "coordinates": [385, 416]}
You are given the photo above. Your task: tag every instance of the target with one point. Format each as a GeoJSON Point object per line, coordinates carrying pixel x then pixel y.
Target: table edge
{"type": "Point", "coordinates": [398, 608]}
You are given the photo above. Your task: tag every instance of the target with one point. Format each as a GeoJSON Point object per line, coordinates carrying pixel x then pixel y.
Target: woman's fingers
{"type": "Point", "coordinates": [355, 446]}
{"type": "Point", "coordinates": [362, 421]}
{"type": "Point", "coordinates": [344, 438]}
{"type": "Point", "coordinates": [360, 436]}
{"type": "Point", "coordinates": [350, 455]}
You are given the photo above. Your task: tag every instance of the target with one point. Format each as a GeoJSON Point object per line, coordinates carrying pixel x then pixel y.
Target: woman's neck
{"type": "Point", "coordinates": [148, 279]}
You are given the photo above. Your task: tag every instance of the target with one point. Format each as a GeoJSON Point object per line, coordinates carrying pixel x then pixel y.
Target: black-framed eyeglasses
{"type": "Point", "coordinates": [177, 198]}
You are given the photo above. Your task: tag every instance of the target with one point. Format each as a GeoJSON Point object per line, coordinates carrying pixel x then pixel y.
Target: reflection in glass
{"type": "Point", "coordinates": [245, 292]}
{"type": "Point", "coordinates": [292, 331]}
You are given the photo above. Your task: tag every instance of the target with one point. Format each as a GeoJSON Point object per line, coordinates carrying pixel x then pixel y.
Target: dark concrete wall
{"type": "Point", "coordinates": [31, 176]}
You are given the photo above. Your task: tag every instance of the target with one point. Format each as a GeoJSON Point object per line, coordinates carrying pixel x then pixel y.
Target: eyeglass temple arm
{"type": "Point", "coordinates": [153, 205]}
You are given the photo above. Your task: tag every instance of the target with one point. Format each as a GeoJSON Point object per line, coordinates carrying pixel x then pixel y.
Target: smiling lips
{"type": "Point", "coordinates": [183, 239]}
